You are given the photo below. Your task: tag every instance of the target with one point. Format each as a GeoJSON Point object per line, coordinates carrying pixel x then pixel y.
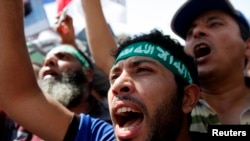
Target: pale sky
{"type": "Point", "coordinates": [144, 15]}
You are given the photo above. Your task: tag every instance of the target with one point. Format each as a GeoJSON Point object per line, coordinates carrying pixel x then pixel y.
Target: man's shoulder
{"type": "Point", "coordinates": [94, 129]}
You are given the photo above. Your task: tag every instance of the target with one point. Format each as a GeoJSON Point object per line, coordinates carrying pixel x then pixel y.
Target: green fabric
{"type": "Point", "coordinates": [71, 50]}
{"type": "Point", "coordinates": [158, 53]}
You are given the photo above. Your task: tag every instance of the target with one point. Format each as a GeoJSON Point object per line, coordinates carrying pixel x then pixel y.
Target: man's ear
{"type": "Point", "coordinates": [191, 97]}
{"type": "Point", "coordinates": [89, 74]}
{"type": "Point", "coordinates": [247, 57]}
{"type": "Point", "coordinates": [247, 52]}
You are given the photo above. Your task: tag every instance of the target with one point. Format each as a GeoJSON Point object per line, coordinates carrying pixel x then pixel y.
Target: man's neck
{"type": "Point", "coordinates": [83, 107]}
{"type": "Point", "coordinates": [224, 95]}
{"type": "Point", "coordinates": [184, 134]}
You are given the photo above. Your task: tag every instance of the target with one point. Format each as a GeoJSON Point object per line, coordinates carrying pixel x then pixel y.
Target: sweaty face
{"type": "Point", "coordinates": [143, 101]}
{"type": "Point", "coordinates": [63, 78]}
{"type": "Point", "coordinates": [214, 41]}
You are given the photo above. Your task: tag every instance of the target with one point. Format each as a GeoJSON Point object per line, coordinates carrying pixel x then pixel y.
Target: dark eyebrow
{"type": "Point", "coordinates": [210, 18]}
{"type": "Point", "coordinates": [134, 64]}
{"type": "Point", "coordinates": [138, 62]}
{"type": "Point", "coordinates": [59, 53]}
{"type": "Point", "coordinates": [65, 54]}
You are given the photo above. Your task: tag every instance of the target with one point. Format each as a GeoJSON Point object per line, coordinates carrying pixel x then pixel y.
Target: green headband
{"type": "Point", "coordinates": [158, 53]}
{"type": "Point", "coordinates": [71, 50]}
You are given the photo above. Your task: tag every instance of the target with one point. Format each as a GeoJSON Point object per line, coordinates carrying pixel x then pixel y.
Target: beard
{"type": "Point", "coordinates": [68, 90]}
{"type": "Point", "coordinates": [167, 121]}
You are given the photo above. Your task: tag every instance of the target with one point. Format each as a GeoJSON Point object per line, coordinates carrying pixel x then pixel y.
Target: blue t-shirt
{"type": "Point", "coordinates": [94, 129]}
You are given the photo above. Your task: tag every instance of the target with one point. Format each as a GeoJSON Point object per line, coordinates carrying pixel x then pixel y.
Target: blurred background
{"type": "Point", "coordinates": [127, 17]}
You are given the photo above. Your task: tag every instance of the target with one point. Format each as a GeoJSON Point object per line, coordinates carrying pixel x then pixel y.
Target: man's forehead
{"type": "Point", "coordinates": [214, 14]}
{"type": "Point", "coordinates": [135, 61]}
{"type": "Point", "coordinates": [52, 54]}
{"type": "Point", "coordinates": [57, 52]}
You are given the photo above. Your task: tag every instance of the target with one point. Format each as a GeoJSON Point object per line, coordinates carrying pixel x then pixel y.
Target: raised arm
{"type": "Point", "coordinates": [100, 38]}
{"type": "Point", "coordinates": [20, 96]}
{"type": "Point", "coordinates": [66, 30]}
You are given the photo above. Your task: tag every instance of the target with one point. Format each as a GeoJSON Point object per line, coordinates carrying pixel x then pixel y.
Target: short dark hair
{"type": "Point", "coordinates": [244, 30]}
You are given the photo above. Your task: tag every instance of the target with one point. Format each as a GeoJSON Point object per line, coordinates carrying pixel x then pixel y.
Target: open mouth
{"type": "Point", "coordinates": [128, 118]}
{"type": "Point", "coordinates": [49, 73]}
{"type": "Point", "coordinates": [201, 50]}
